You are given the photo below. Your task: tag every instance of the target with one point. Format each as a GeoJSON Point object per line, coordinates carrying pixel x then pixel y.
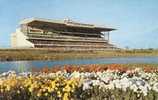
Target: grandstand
{"type": "Point", "coordinates": [61, 34]}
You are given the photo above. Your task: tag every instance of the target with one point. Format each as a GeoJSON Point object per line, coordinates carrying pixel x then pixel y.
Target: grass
{"type": "Point", "coordinates": [50, 54]}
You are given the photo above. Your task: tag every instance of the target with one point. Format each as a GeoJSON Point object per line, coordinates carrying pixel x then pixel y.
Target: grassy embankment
{"type": "Point", "coordinates": [49, 54]}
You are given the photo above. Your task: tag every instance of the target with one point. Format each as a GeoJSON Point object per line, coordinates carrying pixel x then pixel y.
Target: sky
{"type": "Point", "coordinates": [135, 20]}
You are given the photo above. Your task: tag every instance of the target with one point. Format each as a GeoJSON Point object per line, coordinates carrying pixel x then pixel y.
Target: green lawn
{"type": "Point", "coordinates": [49, 54]}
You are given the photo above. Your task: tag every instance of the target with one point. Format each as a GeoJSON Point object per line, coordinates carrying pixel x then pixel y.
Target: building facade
{"type": "Point", "coordinates": [60, 34]}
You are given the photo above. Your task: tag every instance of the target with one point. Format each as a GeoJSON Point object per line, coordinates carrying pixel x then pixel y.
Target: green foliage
{"type": "Point", "coordinates": [117, 94]}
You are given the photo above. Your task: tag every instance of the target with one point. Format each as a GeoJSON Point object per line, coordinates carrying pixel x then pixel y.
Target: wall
{"type": "Point", "coordinates": [18, 40]}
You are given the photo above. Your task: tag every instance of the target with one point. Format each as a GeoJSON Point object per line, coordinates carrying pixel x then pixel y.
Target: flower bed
{"type": "Point", "coordinates": [92, 82]}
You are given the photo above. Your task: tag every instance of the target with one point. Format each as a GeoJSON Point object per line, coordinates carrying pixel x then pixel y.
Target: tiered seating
{"type": "Point", "coordinates": [68, 41]}
{"type": "Point", "coordinates": [64, 38]}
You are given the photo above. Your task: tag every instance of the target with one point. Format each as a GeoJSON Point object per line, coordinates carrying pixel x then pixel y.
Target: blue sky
{"type": "Point", "coordinates": [135, 20]}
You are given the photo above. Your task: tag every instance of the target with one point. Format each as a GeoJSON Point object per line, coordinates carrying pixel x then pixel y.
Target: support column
{"type": "Point", "coordinates": [108, 36]}
{"type": "Point", "coordinates": [27, 29]}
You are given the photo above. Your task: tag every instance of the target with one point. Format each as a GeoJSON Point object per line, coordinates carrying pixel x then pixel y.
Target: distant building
{"type": "Point", "coordinates": [60, 34]}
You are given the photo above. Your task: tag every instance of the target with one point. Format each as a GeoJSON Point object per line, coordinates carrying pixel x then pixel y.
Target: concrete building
{"type": "Point", "coordinates": [60, 34]}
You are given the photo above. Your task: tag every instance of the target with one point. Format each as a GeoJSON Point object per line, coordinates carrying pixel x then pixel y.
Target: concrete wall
{"type": "Point", "coordinates": [13, 40]}
{"type": "Point", "coordinates": [18, 40]}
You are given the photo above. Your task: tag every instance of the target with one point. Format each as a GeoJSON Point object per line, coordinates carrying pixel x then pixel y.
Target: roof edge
{"type": "Point", "coordinates": [66, 22]}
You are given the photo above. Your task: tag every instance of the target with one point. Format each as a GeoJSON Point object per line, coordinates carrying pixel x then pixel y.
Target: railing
{"type": "Point", "coordinates": [62, 36]}
{"type": "Point", "coordinates": [67, 39]}
{"type": "Point", "coordinates": [60, 45]}
{"type": "Point", "coordinates": [78, 33]}
{"type": "Point", "coordinates": [75, 48]}
{"type": "Point", "coordinates": [65, 43]}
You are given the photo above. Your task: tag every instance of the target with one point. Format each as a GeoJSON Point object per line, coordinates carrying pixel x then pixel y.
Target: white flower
{"type": "Point", "coordinates": [86, 85]}
{"type": "Point", "coordinates": [25, 74]}
{"type": "Point", "coordinates": [95, 82]}
{"type": "Point", "coordinates": [134, 87]}
{"type": "Point", "coordinates": [137, 69]}
{"type": "Point", "coordinates": [75, 74]}
{"type": "Point", "coordinates": [155, 87]}
{"type": "Point", "coordinates": [111, 86]}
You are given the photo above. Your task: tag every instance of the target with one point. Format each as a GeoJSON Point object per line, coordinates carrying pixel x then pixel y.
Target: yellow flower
{"type": "Point", "coordinates": [38, 94]}
{"type": "Point", "coordinates": [50, 89]}
{"type": "Point", "coordinates": [67, 88]}
{"type": "Point", "coordinates": [30, 89]}
{"type": "Point", "coordinates": [53, 84]}
{"type": "Point", "coordinates": [18, 92]}
{"type": "Point", "coordinates": [46, 94]}
{"type": "Point", "coordinates": [2, 90]}
{"type": "Point", "coordinates": [65, 97]}
{"type": "Point", "coordinates": [59, 94]}
{"type": "Point", "coordinates": [8, 88]}
{"type": "Point", "coordinates": [57, 84]}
